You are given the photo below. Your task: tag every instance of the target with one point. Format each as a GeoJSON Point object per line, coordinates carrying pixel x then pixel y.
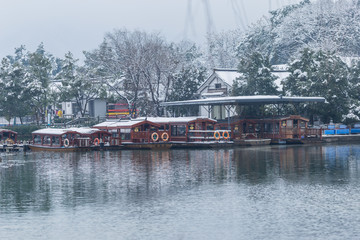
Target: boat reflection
{"type": "Point", "coordinates": [46, 180]}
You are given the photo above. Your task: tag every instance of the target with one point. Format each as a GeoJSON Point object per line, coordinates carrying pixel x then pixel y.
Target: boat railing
{"type": "Point", "coordinates": [208, 135]}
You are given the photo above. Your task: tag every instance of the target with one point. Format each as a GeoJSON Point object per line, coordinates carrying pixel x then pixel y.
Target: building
{"type": "Point", "coordinates": [219, 84]}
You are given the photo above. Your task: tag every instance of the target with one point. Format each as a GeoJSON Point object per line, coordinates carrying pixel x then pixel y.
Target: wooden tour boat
{"type": "Point", "coordinates": [72, 139]}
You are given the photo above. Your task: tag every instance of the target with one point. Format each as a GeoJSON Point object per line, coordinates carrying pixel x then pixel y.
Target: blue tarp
{"type": "Point", "coordinates": [342, 131]}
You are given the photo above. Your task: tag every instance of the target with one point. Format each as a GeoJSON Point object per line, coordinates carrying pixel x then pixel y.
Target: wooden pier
{"type": "Point", "coordinates": [14, 147]}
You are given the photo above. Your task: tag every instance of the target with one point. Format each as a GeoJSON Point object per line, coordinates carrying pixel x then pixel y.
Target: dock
{"type": "Point", "coordinates": [14, 147]}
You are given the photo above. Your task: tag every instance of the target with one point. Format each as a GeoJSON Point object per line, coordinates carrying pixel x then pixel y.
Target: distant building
{"type": "Point", "coordinates": [219, 84]}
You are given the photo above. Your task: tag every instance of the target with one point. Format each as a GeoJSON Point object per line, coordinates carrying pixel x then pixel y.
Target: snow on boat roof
{"type": "Point", "coordinates": [51, 131]}
{"type": "Point", "coordinates": [244, 100]}
{"type": "Point", "coordinates": [125, 124]}
{"type": "Point", "coordinates": [174, 119]}
{"type": "Point", "coordinates": [85, 130]}
{"type": "Point", "coordinates": [61, 131]}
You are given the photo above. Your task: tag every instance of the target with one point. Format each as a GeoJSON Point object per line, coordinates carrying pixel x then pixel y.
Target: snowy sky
{"type": "Point", "coordinates": [77, 25]}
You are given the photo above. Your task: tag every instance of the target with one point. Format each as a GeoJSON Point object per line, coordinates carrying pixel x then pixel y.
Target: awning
{"type": "Point", "coordinates": [245, 100]}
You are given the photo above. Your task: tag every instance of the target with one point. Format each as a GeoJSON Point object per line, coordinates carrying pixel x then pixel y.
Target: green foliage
{"type": "Point", "coordinates": [320, 74]}
{"type": "Point", "coordinates": [185, 86]}
{"type": "Point", "coordinates": [24, 131]}
{"type": "Point", "coordinates": [256, 78]}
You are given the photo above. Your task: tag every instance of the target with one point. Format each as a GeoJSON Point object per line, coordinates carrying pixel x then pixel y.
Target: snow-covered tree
{"type": "Point", "coordinates": [222, 49]}
{"type": "Point", "coordinates": [37, 79]}
{"type": "Point", "coordinates": [354, 113]}
{"type": "Point", "coordinates": [256, 77]}
{"type": "Point", "coordinates": [320, 74]}
{"type": "Point", "coordinates": [13, 102]}
{"type": "Point", "coordinates": [78, 85]}
{"type": "Point", "coordinates": [137, 66]}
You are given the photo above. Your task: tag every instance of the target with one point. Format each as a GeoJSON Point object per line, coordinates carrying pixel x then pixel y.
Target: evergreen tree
{"type": "Point", "coordinates": [185, 85]}
{"type": "Point", "coordinates": [256, 77]}
{"type": "Point", "coordinates": [320, 74]}
{"type": "Point", "coordinates": [12, 98]}
{"type": "Point", "coordinates": [37, 79]}
{"type": "Point", "coordinates": [354, 113]}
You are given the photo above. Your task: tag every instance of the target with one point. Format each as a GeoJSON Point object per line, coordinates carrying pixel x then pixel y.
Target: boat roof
{"type": "Point", "coordinates": [7, 130]}
{"type": "Point", "coordinates": [52, 131]}
{"type": "Point", "coordinates": [85, 130]}
{"type": "Point", "coordinates": [162, 120]}
{"type": "Point", "coordinates": [124, 124]}
{"type": "Point", "coordinates": [61, 131]}
{"type": "Point", "coordinates": [245, 100]}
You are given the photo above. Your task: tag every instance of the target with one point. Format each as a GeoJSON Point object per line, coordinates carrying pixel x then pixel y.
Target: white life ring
{"type": "Point", "coordinates": [66, 142]}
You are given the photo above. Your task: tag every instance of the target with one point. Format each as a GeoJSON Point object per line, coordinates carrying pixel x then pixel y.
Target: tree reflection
{"type": "Point", "coordinates": [44, 181]}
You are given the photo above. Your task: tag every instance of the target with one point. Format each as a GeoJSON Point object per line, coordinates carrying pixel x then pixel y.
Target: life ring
{"type": "Point", "coordinates": [165, 136]}
{"type": "Point", "coordinates": [226, 135]}
{"type": "Point", "coordinates": [96, 141]}
{"type": "Point", "coordinates": [66, 142]}
{"type": "Point", "coordinates": [217, 135]}
{"type": "Point", "coordinates": [155, 136]}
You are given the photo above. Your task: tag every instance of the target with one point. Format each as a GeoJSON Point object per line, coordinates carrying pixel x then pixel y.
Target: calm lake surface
{"type": "Point", "coordinates": [271, 192]}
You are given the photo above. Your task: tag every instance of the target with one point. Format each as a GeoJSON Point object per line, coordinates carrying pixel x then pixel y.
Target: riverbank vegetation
{"type": "Point", "coordinates": [319, 42]}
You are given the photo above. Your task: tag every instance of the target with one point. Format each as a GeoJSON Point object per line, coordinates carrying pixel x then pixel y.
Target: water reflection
{"type": "Point", "coordinates": [46, 181]}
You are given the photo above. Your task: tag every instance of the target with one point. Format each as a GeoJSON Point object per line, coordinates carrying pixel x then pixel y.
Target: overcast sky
{"type": "Point", "coordinates": [77, 25]}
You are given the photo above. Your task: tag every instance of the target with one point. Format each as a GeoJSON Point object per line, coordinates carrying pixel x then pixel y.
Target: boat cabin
{"type": "Point", "coordinates": [240, 128]}
{"type": "Point", "coordinates": [293, 127]}
{"type": "Point", "coordinates": [7, 136]}
{"type": "Point", "coordinates": [186, 129]}
{"type": "Point", "coordinates": [131, 131]}
{"type": "Point", "coordinates": [68, 138]}
{"type": "Point", "coordinates": [86, 136]}
{"type": "Point", "coordinates": [53, 138]}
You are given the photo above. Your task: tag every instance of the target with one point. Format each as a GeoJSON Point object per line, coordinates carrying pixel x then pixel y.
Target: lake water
{"type": "Point", "coordinates": [271, 192]}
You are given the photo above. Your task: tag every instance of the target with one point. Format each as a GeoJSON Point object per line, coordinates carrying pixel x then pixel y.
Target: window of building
{"type": "Point", "coordinates": [217, 85]}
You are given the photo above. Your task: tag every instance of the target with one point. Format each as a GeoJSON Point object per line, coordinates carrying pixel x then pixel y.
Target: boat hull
{"type": "Point", "coordinates": [55, 149]}
{"type": "Point", "coordinates": [252, 142]}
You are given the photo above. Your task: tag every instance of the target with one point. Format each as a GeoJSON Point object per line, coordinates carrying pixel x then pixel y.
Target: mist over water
{"type": "Point", "coordinates": [272, 192]}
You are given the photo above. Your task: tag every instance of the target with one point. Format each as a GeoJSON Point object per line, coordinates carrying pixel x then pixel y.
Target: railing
{"type": "Point", "coordinates": [208, 135]}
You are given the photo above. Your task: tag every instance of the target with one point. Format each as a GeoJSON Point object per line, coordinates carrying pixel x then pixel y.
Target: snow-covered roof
{"type": "Point", "coordinates": [51, 131]}
{"type": "Point", "coordinates": [161, 120]}
{"type": "Point", "coordinates": [244, 100]}
{"type": "Point", "coordinates": [227, 75]}
{"type": "Point", "coordinates": [119, 124]}
{"type": "Point", "coordinates": [85, 130]}
{"type": "Point", "coordinates": [61, 131]}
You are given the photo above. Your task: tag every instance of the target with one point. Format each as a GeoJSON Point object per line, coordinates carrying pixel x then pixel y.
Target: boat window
{"type": "Point", "coordinates": [178, 130]}
{"type": "Point", "coordinates": [289, 123]}
{"type": "Point", "coordinates": [56, 141]}
{"type": "Point", "coordinates": [47, 140]}
{"type": "Point", "coordinates": [125, 134]}
{"type": "Point", "coordinates": [37, 139]}
{"type": "Point", "coordinates": [302, 124]}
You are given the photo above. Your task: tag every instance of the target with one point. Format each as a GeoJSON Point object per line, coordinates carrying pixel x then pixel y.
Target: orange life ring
{"type": "Point", "coordinates": [217, 135]}
{"type": "Point", "coordinates": [96, 141]}
{"type": "Point", "coordinates": [165, 136]}
{"type": "Point", "coordinates": [154, 136]}
{"type": "Point", "coordinates": [226, 135]}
